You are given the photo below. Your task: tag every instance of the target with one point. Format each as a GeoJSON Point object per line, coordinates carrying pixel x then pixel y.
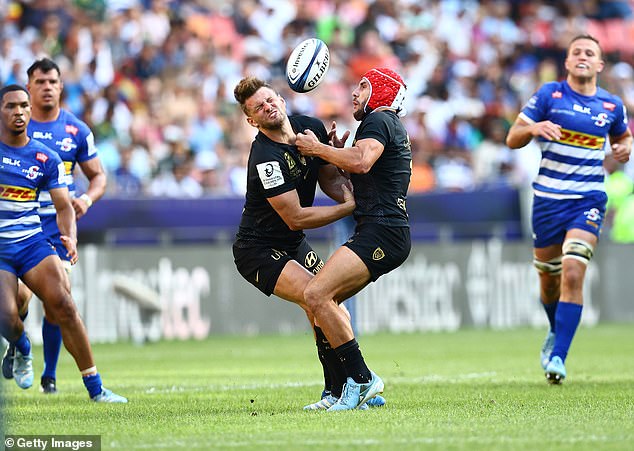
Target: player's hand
{"type": "Point", "coordinates": [547, 130]}
{"type": "Point", "coordinates": [348, 196]}
{"type": "Point", "coordinates": [621, 152]}
{"type": "Point", "coordinates": [80, 206]}
{"type": "Point", "coordinates": [333, 139]}
{"type": "Point", "coordinates": [71, 247]}
{"type": "Point", "coordinates": [307, 143]}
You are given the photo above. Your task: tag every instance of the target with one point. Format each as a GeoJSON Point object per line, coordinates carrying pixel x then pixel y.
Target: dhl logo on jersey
{"type": "Point", "coordinates": [581, 139]}
{"type": "Point", "coordinates": [68, 167]}
{"type": "Point", "coordinates": [18, 193]}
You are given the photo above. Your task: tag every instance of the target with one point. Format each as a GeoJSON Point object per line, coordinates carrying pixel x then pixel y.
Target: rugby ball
{"type": "Point", "coordinates": [307, 65]}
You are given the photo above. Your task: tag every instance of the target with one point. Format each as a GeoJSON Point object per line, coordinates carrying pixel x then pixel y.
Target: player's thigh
{"type": "Point", "coordinates": [343, 275]}
{"type": "Point", "coordinates": [49, 281]}
{"type": "Point", "coordinates": [292, 282]}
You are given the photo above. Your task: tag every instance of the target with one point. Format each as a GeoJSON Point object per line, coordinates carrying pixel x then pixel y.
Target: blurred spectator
{"type": "Point", "coordinates": [138, 68]}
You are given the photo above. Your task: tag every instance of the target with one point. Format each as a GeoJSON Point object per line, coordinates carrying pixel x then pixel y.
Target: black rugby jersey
{"type": "Point", "coordinates": [274, 169]}
{"type": "Point", "coordinates": [381, 194]}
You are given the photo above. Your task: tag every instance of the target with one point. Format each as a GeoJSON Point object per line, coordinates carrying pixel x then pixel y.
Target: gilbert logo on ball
{"type": "Point", "coordinates": [307, 65]}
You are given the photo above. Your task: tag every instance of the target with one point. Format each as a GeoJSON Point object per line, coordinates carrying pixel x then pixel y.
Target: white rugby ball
{"type": "Point", "coordinates": [307, 65]}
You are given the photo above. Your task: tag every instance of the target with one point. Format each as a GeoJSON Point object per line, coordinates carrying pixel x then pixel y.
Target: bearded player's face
{"type": "Point", "coordinates": [266, 109]}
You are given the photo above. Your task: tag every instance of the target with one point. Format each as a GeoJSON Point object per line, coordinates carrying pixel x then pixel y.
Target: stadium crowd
{"type": "Point", "coordinates": [154, 78]}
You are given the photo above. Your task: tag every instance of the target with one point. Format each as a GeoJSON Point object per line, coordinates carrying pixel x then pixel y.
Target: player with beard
{"type": "Point", "coordinates": [379, 164]}
{"type": "Point", "coordinates": [271, 250]}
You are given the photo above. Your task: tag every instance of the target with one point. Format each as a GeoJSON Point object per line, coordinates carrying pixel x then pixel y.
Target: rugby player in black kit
{"type": "Point", "coordinates": [270, 249]}
{"type": "Point", "coordinates": [379, 164]}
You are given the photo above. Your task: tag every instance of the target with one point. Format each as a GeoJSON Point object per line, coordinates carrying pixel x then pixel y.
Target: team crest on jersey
{"type": "Point", "coordinates": [609, 106]}
{"type": "Point", "coordinates": [71, 129]}
{"type": "Point", "coordinates": [557, 95]}
{"type": "Point", "coordinates": [66, 144]}
{"type": "Point", "coordinates": [41, 157]}
{"type": "Point", "coordinates": [378, 254]}
{"type": "Point", "coordinates": [32, 173]}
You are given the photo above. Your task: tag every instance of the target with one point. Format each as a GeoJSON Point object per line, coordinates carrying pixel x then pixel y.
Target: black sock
{"type": "Point", "coordinates": [352, 360]}
{"type": "Point", "coordinates": [333, 363]}
{"type": "Point", "coordinates": [321, 353]}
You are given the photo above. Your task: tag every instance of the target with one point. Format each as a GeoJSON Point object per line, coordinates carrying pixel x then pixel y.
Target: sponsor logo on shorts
{"type": "Point", "coordinates": [310, 259]}
{"type": "Point", "coordinates": [378, 254]}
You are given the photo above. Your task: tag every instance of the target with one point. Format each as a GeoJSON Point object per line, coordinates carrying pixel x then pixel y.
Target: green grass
{"type": "Point", "coordinates": [474, 389]}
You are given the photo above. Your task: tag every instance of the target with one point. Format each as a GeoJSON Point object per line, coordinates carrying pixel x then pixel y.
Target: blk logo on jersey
{"type": "Point", "coordinates": [10, 161]}
{"type": "Point", "coordinates": [42, 135]}
{"type": "Point", "coordinates": [581, 109]}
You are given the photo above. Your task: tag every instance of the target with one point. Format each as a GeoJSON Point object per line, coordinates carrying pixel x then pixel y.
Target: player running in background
{"type": "Point", "coordinates": [571, 120]}
{"type": "Point", "coordinates": [69, 137]}
{"type": "Point", "coordinates": [271, 250]}
{"type": "Point", "coordinates": [379, 164]}
{"type": "Point", "coordinates": [27, 167]}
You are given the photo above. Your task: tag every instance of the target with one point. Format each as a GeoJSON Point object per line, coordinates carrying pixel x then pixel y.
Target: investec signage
{"type": "Point", "coordinates": [191, 292]}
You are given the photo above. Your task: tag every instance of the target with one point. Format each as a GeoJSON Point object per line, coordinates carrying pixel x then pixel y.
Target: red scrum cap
{"type": "Point", "coordinates": [387, 89]}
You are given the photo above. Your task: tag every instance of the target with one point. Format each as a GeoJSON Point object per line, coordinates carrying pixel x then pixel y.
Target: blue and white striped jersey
{"type": "Point", "coordinates": [72, 140]}
{"type": "Point", "coordinates": [24, 172]}
{"type": "Point", "coordinates": [572, 167]}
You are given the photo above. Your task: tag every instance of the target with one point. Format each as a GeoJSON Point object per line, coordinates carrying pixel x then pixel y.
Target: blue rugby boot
{"type": "Point", "coordinates": [355, 394]}
{"type": "Point", "coordinates": [23, 369]}
{"type": "Point", "coordinates": [323, 404]}
{"type": "Point", "coordinates": [7, 362]}
{"type": "Point", "coordinates": [547, 348]}
{"type": "Point", "coordinates": [108, 396]}
{"type": "Point", "coordinates": [377, 401]}
{"type": "Point", "coordinates": [555, 370]}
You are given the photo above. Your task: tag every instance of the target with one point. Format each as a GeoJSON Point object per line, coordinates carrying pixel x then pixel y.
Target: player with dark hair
{"type": "Point", "coordinates": [571, 120]}
{"type": "Point", "coordinates": [270, 249]}
{"type": "Point", "coordinates": [27, 167]}
{"type": "Point", "coordinates": [379, 164]}
{"type": "Point", "coordinates": [73, 141]}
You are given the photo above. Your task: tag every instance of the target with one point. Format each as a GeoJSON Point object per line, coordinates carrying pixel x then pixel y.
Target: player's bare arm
{"type": "Point", "coordinates": [331, 180]}
{"type": "Point", "coordinates": [93, 170]}
{"type": "Point", "coordinates": [357, 159]}
{"type": "Point", "coordinates": [622, 147]}
{"type": "Point", "coordinates": [296, 217]}
{"type": "Point", "coordinates": [522, 132]}
{"type": "Point", "coordinates": [66, 221]}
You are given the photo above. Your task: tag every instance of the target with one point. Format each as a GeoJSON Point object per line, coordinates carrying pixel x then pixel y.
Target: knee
{"type": "Point", "coordinates": [572, 278]}
{"type": "Point", "coordinates": [312, 297]}
{"type": "Point", "coordinates": [61, 311]}
{"type": "Point", "coordinates": [11, 327]}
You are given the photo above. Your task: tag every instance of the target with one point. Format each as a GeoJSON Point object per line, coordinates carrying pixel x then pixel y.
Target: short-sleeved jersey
{"type": "Point", "coordinates": [24, 172]}
{"type": "Point", "coordinates": [572, 167]}
{"type": "Point", "coordinates": [381, 194]}
{"type": "Point", "coordinates": [72, 140]}
{"type": "Point", "coordinates": [274, 169]}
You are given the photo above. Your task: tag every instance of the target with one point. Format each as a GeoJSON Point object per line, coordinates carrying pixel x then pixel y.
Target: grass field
{"type": "Point", "coordinates": [474, 389]}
